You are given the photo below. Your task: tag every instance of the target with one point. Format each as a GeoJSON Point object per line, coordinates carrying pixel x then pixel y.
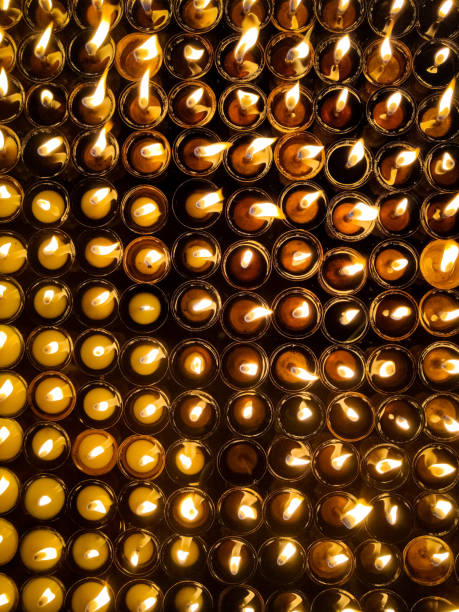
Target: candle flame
{"type": "Point", "coordinates": [392, 514]}
{"type": "Point", "coordinates": [395, 8]}
{"type": "Point", "coordinates": [92, 553]}
{"type": "Point", "coordinates": [98, 249]}
{"type": "Point", "coordinates": [50, 146]}
{"type": "Point", "coordinates": [341, 101]}
{"type": "Point", "coordinates": [257, 145]}
{"type": "Point", "coordinates": [343, 5]}
{"type": "Point", "coordinates": [302, 311]}
{"type": "Point", "coordinates": [441, 56]}
{"type": "Point", "coordinates": [196, 412]}
{"type": "Point", "coordinates": [439, 470]}
{"type": "Point", "coordinates": [336, 560]}
{"type": "Point", "coordinates": [148, 50]}
{"type": "Point", "coordinates": [293, 6]}
{"type": "Point", "coordinates": [51, 348]}
{"type": "Point", "coordinates": [292, 97]}
{"type": "Point", "coordinates": [46, 98]}
{"type": "Point", "coordinates": [46, 597]}
{"type": "Point", "coordinates": [4, 484]}
{"type": "Point", "coordinates": [363, 212]}
{"type": "Point", "coordinates": [444, 104]}
{"type": "Point", "coordinates": [345, 372]}
{"type": "Point", "coordinates": [356, 515]}
{"type": "Point", "coordinates": [147, 459]}
{"type": "Point", "coordinates": [386, 49]}
{"type": "Point", "coordinates": [247, 99]}
{"type": "Point", "coordinates": [338, 459]}
{"type": "Point", "coordinates": [203, 254]}
{"type": "Point", "coordinates": [352, 269]}
{"type": "Point", "coordinates": [4, 434]}
{"type": "Point", "coordinates": [154, 354]}
{"type": "Point", "coordinates": [101, 33]}
{"type": "Point", "coordinates": [303, 374]}
{"type": "Point", "coordinates": [300, 51]}
{"type": "Point", "coordinates": [398, 313]}
{"type": "Point", "coordinates": [96, 451]}
{"type": "Point", "coordinates": [309, 151]}
{"type": "Point", "coordinates": [249, 369]}
{"type": "Point", "coordinates": [212, 150]}
{"type": "Point", "coordinates": [351, 414]}
{"type": "Point", "coordinates": [51, 246]}
{"type": "Point", "coordinates": [406, 158]}
{"type": "Point", "coordinates": [246, 258]}
{"type": "Point", "coordinates": [195, 97]}
{"type": "Point", "coordinates": [97, 506]}
{"type": "Point", "coordinates": [155, 149]}
{"type": "Point", "coordinates": [438, 558]}
{"type": "Point", "coordinates": [247, 6]}
{"type": "Point", "coordinates": [188, 508]}
{"type": "Point", "coordinates": [258, 312]}
{"type": "Point", "coordinates": [44, 500]}
{"type": "Point", "coordinates": [146, 507]}
{"type": "Point", "coordinates": [100, 299]}
{"type": "Point", "coordinates": [212, 202]}
{"type": "Point", "coordinates": [3, 82]}
{"type": "Point", "coordinates": [442, 508]}
{"type": "Point", "coordinates": [386, 465]}
{"type": "Point", "coordinates": [297, 457]}
{"type": "Point", "coordinates": [386, 369]}
{"type": "Point", "coordinates": [382, 561]}
{"type": "Point", "coordinates": [348, 316]}
{"type": "Point", "coordinates": [449, 258]}
{"type": "Point", "coordinates": [309, 198]}
{"type": "Point", "coordinates": [445, 8]}
{"type": "Point", "coordinates": [451, 366]}
{"type": "Point", "coordinates": [451, 424]}
{"type": "Point", "coordinates": [203, 305]}
{"type": "Point", "coordinates": [98, 96]}
{"type": "Point", "coordinates": [100, 144]}
{"type": "Point", "coordinates": [401, 207]}
{"type": "Point", "coordinates": [144, 90]}
{"type": "Point", "coordinates": [399, 264]}
{"type": "Point", "coordinates": [402, 423]}
{"type": "Point", "coordinates": [265, 210]}
{"type": "Point", "coordinates": [393, 102]}
{"type": "Point", "coordinates": [304, 412]}
{"type": "Point", "coordinates": [102, 599]}
{"type": "Point", "coordinates": [356, 154]}
{"type": "Point", "coordinates": [235, 559]}
{"type": "Point", "coordinates": [6, 389]}
{"type": "Point", "coordinates": [45, 554]}
{"type": "Point", "coordinates": [192, 54]}
{"type": "Point", "coordinates": [294, 502]}
{"type": "Point", "coordinates": [45, 448]}
{"type": "Point", "coordinates": [197, 364]}
{"type": "Point", "coordinates": [247, 40]}
{"type": "Point", "coordinates": [201, 4]}
{"type": "Point", "coordinates": [247, 411]}
{"type": "Point", "coordinates": [447, 164]}
{"type": "Point", "coordinates": [40, 47]}
{"type": "Point", "coordinates": [287, 552]}
{"type": "Point", "coordinates": [341, 48]}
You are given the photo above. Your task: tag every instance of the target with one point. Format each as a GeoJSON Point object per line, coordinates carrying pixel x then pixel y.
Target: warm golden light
{"type": "Point", "coordinates": [246, 258]}
{"type": "Point", "coordinates": [47, 98]}
{"type": "Point", "coordinates": [399, 313]}
{"type": "Point", "coordinates": [386, 369]}
{"type": "Point", "coordinates": [386, 465]}
{"type": "Point", "coordinates": [440, 58]}
{"type": "Point", "coordinates": [188, 509]}
{"type": "Point", "coordinates": [45, 448]}
{"type": "Point", "coordinates": [104, 249]}
{"type": "Point", "coordinates": [356, 515]}
{"type": "Point", "coordinates": [257, 145]}
{"type": "Point", "coordinates": [297, 457]}
{"type": "Point", "coordinates": [197, 364]}
{"type": "Point", "coordinates": [292, 97]}
{"type": "Point", "coordinates": [246, 509]}
{"type": "Point", "coordinates": [444, 104]}
{"type": "Point", "coordinates": [345, 372]}
{"type": "Point", "coordinates": [393, 103]}
{"type": "Point", "coordinates": [294, 502]}
{"type": "Point", "coordinates": [302, 311]}
{"type": "Point", "coordinates": [148, 50]}
{"type": "Point", "coordinates": [249, 368]}
{"type": "Point", "coordinates": [343, 5]}
{"type": "Point", "coordinates": [192, 54]}
{"type": "Point", "coordinates": [395, 8]}
{"type": "Point", "coordinates": [286, 553]}
{"type": "Point", "coordinates": [382, 561]}
{"type": "Point", "coordinates": [235, 559]}
{"type": "Point", "coordinates": [100, 144]}
{"type": "Point", "coordinates": [348, 316]}
{"type": "Point", "coordinates": [258, 312]}
{"type": "Point", "coordinates": [449, 258]}
{"type": "Point", "coordinates": [50, 146]}
{"type": "Point", "coordinates": [153, 355]}
{"type": "Point", "coordinates": [6, 389]}
{"type": "Point", "coordinates": [336, 560]}
{"type": "Point", "coordinates": [247, 40]}
{"type": "Point", "coordinates": [211, 150]}
{"type": "Point", "coordinates": [445, 8]}
{"type": "Point", "coordinates": [445, 164]}
{"type": "Point", "coordinates": [439, 470]}
{"type": "Point", "coordinates": [341, 48]}
{"type": "Point", "coordinates": [442, 508]}
{"type": "Point", "coordinates": [195, 97]}
{"type": "Point", "coordinates": [451, 366]}
{"type": "Point", "coordinates": [406, 158]}
{"type": "Point", "coordinates": [386, 49]}
{"type": "Point", "coordinates": [338, 459]}
{"type": "Point", "coordinates": [42, 44]}
{"type": "Point", "coordinates": [309, 151]}
{"type": "Point", "coordinates": [3, 83]}
{"type": "Point", "coordinates": [363, 212]}
{"type": "Point", "coordinates": [246, 99]}
{"type": "Point", "coordinates": [352, 269]}
{"type": "Point", "coordinates": [300, 51]}
{"type": "Point", "coordinates": [302, 374]}
{"type": "Point", "coordinates": [101, 33]}
{"type": "Point", "coordinates": [102, 599]}
{"type": "Point", "coordinates": [266, 210]}
{"type": "Point", "coordinates": [212, 202]}
{"type": "Point", "coordinates": [97, 506]}
{"type": "Point", "coordinates": [98, 96]}
{"type": "Point", "coordinates": [341, 100]}
{"type": "Point", "coordinates": [45, 598]}
{"type": "Point", "coordinates": [438, 558]}
{"type": "Point", "coordinates": [45, 554]}
{"type": "Point", "coordinates": [356, 154]}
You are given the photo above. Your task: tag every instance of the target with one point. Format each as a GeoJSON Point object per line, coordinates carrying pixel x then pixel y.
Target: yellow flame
{"type": "Point", "coordinates": [438, 558]}
{"type": "Point", "coordinates": [343, 5]}
{"type": "Point", "coordinates": [98, 96]}
{"type": "Point", "coordinates": [297, 457]}
{"type": "Point", "coordinates": [345, 371]}
{"type": "Point", "coordinates": [399, 264]}
{"type": "Point", "coordinates": [195, 97]}
{"type": "Point", "coordinates": [336, 560]}
{"type": "Point", "coordinates": [155, 149]}
{"type": "Point", "coordinates": [382, 561]}
{"type": "Point", "coordinates": [235, 559]}
{"type": "Point", "coordinates": [386, 465]}
{"type": "Point", "coordinates": [50, 146]}
{"type": "Point", "coordinates": [201, 4]}
{"type": "Point", "coordinates": [348, 316]}
{"type": "Point", "coordinates": [197, 364]}
{"type": "Point", "coordinates": [44, 500]}
{"type": "Point", "coordinates": [444, 104]}
{"type": "Point", "coordinates": [439, 470]}
{"type": "Point", "coordinates": [247, 5]}
{"type": "Point", "coordinates": [148, 50]}
{"type": "Point", "coordinates": [101, 33]}
{"type": "Point", "coordinates": [300, 51]}
{"type": "Point", "coordinates": [393, 102]}
{"type": "Point", "coordinates": [292, 97]}
{"type": "Point", "coordinates": [247, 40]}
{"type": "Point", "coordinates": [246, 258]}
{"type": "Point", "coordinates": [445, 8]}
{"type": "Point", "coordinates": [341, 101]}
{"type": "Point", "coordinates": [40, 47]}
{"type": "Point", "coordinates": [309, 151]}
{"type": "Point", "coordinates": [352, 269]}
{"type": "Point", "coordinates": [151, 356]}
{"type": "Point", "coordinates": [302, 311]}
{"type": "Point", "coordinates": [396, 7]}
{"type": "Point", "coordinates": [144, 90]}
{"type": "Point", "coordinates": [46, 98]}
{"type": "Point", "coordinates": [249, 369]}
{"type": "Point", "coordinates": [192, 54]}
{"type": "Point", "coordinates": [246, 509]}
{"type": "Point", "coordinates": [292, 505]}
{"type": "Point", "coordinates": [451, 366]}
{"type": "Point", "coordinates": [247, 99]}
{"type": "Point", "coordinates": [97, 506]}
{"type": "Point", "coordinates": [202, 305]}
{"type": "Point", "coordinates": [363, 212]}
{"type": "Point", "coordinates": [286, 553]}
{"type": "Point", "coordinates": [265, 210]}
{"type": "Point", "coordinates": [45, 554]}
{"type": "Point", "coordinates": [352, 414]}
{"type": "Point", "coordinates": [338, 459]}
{"type": "Point", "coordinates": [258, 312]}
{"type": "Point", "coordinates": [401, 207]}
{"type": "Point", "coordinates": [188, 508]}
{"type": "Point", "coordinates": [341, 48]}
{"type": "Point", "coordinates": [101, 600]}
{"type": "Point", "coordinates": [446, 164]}
{"type": "Point", "coordinates": [104, 250]}
{"type": "Point", "coordinates": [257, 145]}
{"type": "Point", "coordinates": [449, 258]}
{"type": "Point", "coordinates": [442, 508]}
{"type": "Point", "coordinates": [4, 434]}
{"type": "Point", "coordinates": [212, 149]}
{"type": "Point", "coordinates": [45, 448]}
{"type": "Point", "coordinates": [3, 82]}
{"type": "Point", "coordinates": [392, 514]}
{"type": "Point", "coordinates": [100, 144]}
{"type": "Point", "coordinates": [356, 154]}
{"type": "Point", "coordinates": [441, 56]}
{"type": "Point", "coordinates": [46, 597]}
{"type": "Point", "coordinates": [196, 412]}
{"type": "Point", "coordinates": [406, 158]}
{"type": "Point", "coordinates": [146, 507]}
{"type": "Point", "coordinates": [212, 202]}
{"type": "Point", "coordinates": [356, 515]}
{"type": "Point", "coordinates": [247, 411]}
{"type": "Point", "coordinates": [302, 374]}
{"type": "Point", "coordinates": [386, 49]}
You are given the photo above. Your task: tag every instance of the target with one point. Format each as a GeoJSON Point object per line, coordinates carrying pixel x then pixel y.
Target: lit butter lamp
{"type": "Point", "coordinates": [378, 563]}
{"type": "Point", "coordinates": [436, 512]}
{"type": "Point", "coordinates": [397, 16]}
{"type": "Point", "coordinates": [198, 152]}
{"type": "Point", "coordinates": [398, 165]}
{"type": "Point", "coordinates": [428, 560]}
{"type": "Point", "coordinates": [195, 414]}
{"type": "Point", "coordinates": [289, 57]}
{"type": "Point", "coordinates": [287, 511]}
{"type": "Point", "coordinates": [11, 199]}
{"type": "Point", "coordinates": [292, 15]}
{"type": "Point", "coordinates": [43, 12]}
{"type": "Point", "coordinates": [136, 551]}
{"type": "Point", "coordinates": [330, 562]}
{"type": "Point", "coordinates": [245, 316]}
{"type": "Point", "coordinates": [391, 111]}
{"type": "Point", "coordinates": [439, 312]}
{"type": "Point", "coordinates": [338, 59]}
{"type": "Point", "coordinates": [241, 59]}
{"type": "Point", "coordinates": [238, 10]}
{"type": "Point", "coordinates": [198, 204]}
{"type": "Point", "coordinates": [194, 363]}
{"type": "Point", "coordinates": [249, 159]}
{"type": "Point", "coordinates": [140, 595]}
{"type": "Point", "coordinates": [87, 13]}
{"type": "Point", "coordinates": [13, 253]}
{"type": "Point", "coordinates": [198, 15]}
{"type": "Point", "coordinates": [232, 560]}
{"type": "Point", "coordinates": [94, 452]}
{"type": "Point", "coordinates": [143, 104]}
{"type": "Point", "coordinates": [148, 15]}
{"type": "Point", "coordinates": [92, 105]}
{"type": "Point", "coordinates": [290, 108]}
{"type": "Point", "coordinates": [192, 104]}
{"type": "Point", "coordinates": [44, 497]}
{"type": "Point", "coordinates": [299, 157]}
{"type": "Point", "coordinates": [146, 154]}
{"type": "Point", "coordinates": [46, 105]}
{"type": "Point", "coordinates": [91, 594]}
{"type": "Point", "coordinates": [46, 446]}
{"type": "Point", "coordinates": [196, 305]}
{"type": "Point", "coordinates": [282, 560]}
{"type": "Point", "coordinates": [13, 394]}
{"type": "Point", "coordinates": [441, 23]}
{"type": "Point", "coordinates": [433, 64]}
{"type": "Point", "coordinates": [45, 590]}
{"type": "Point", "coordinates": [442, 168]}
{"type": "Point", "coordinates": [438, 116]}
{"type": "Point", "coordinates": [96, 153]}
{"type": "Point", "coordinates": [335, 463]}
{"type": "Point", "coordinates": [93, 503]}
{"type": "Point", "coordinates": [11, 346]}
{"type": "Point", "coordinates": [146, 259]}
{"type": "Point", "coordinates": [439, 264]}
{"type": "Point", "coordinates": [9, 150]}
{"type": "Point", "coordinates": [137, 52]}
{"type": "Point", "coordinates": [240, 510]}
{"type": "Point", "coordinates": [42, 56]}
{"type": "Point", "coordinates": [351, 217]}
{"type": "Point", "coordinates": [339, 514]}
{"type": "Point", "coordinates": [189, 511]}
{"type": "Point", "coordinates": [388, 62]}
{"type": "Point", "coordinates": [11, 97]}
{"type": "Point", "coordinates": [10, 14]}
{"type": "Point", "coordinates": [348, 164]}
{"type": "Point", "coordinates": [249, 414]}
{"type": "Point", "coordinates": [45, 153]}
{"type": "Point", "coordinates": [338, 109]}
{"type": "Point", "coordinates": [242, 108]}
{"type": "Point", "coordinates": [141, 456]}
{"type": "Point", "coordinates": [188, 56]}
{"type": "Point", "coordinates": [9, 593]}
{"type": "Point", "coordinates": [92, 51]}
{"type": "Point", "coordinates": [41, 549]}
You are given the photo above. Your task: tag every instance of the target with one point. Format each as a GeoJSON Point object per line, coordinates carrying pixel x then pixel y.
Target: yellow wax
{"type": "Point", "coordinates": [194, 211]}
{"type": "Point", "coordinates": [184, 551]}
{"type": "Point", "coordinates": [96, 203]}
{"type": "Point", "coordinates": [44, 498]}
{"type": "Point", "coordinates": [8, 594]}
{"type": "Point", "coordinates": [42, 594]}
{"type": "Point", "coordinates": [100, 403]}
{"type": "Point", "coordinates": [148, 261]}
{"type": "Point", "coordinates": [188, 596]}
{"type": "Point", "coordinates": [101, 252]}
{"type": "Point", "coordinates": [194, 260]}
{"type": "Point", "coordinates": [48, 443]}
{"type": "Point", "coordinates": [48, 206]}
{"type": "Point", "coordinates": [10, 200]}
{"type": "Point", "coordinates": [41, 549]}
{"type": "Point", "coordinates": [50, 302]}
{"type": "Point", "coordinates": [13, 254]}
{"type": "Point", "coordinates": [8, 541]}
{"type": "Point", "coordinates": [143, 501]}
{"type": "Point", "coordinates": [146, 358]}
{"type": "Point", "coordinates": [90, 550]}
{"type": "Point", "coordinates": [95, 451]}
{"type": "Point", "coordinates": [138, 549]}
{"type": "Point", "coordinates": [53, 253]}
{"type": "Point", "coordinates": [142, 455]}
{"type": "Point", "coordinates": [144, 212]}
{"type": "Point", "coordinates": [91, 595]}
{"type": "Point", "coordinates": [51, 348]}
{"type": "Point", "coordinates": [98, 352]}
{"type": "Point", "coordinates": [142, 593]}
{"type": "Point", "coordinates": [53, 395]}
{"type": "Point", "coordinates": [11, 435]}
{"type": "Point", "coordinates": [13, 394]}
{"type": "Point", "coordinates": [10, 299]}
{"type": "Point", "coordinates": [98, 303]}
{"type": "Point", "coordinates": [148, 408]}
{"type": "Point", "coordinates": [189, 458]}
{"type": "Point", "coordinates": [144, 308]}
{"type": "Point", "coordinates": [93, 502]}
{"type": "Point", "coordinates": [11, 345]}
{"type": "Point", "coordinates": [9, 490]}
